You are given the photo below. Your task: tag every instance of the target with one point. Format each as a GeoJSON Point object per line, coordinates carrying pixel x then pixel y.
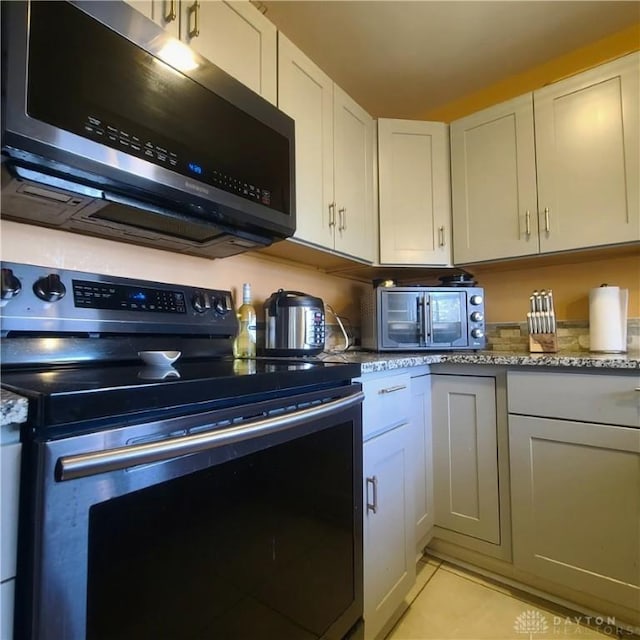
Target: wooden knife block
{"type": "Point", "coordinates": [543, 342]}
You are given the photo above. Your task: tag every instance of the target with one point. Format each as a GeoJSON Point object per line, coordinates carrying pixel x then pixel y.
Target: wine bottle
{"type": "Point", "coordinates": [244, 345]}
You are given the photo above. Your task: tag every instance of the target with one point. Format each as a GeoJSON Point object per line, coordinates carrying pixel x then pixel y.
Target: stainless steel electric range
{"type": "Point", "coordinates": [214, 498]}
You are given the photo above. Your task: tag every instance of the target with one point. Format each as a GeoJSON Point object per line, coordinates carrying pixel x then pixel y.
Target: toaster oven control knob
{"type": "Point", "coordinates": [477, 333]}
{"type": "Point", "coordinates": [50, 288]}
{"type": "Point", "coordinates": [476, 316]}
{"type": "Point", "coordinates": [200, 302]}
{"type": "Point", "coordinates": [475, 300]}
{"type": "Point", "coordinates": [11, 286]}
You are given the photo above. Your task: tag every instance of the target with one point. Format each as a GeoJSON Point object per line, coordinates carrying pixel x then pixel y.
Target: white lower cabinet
{"type": "Point", "coordinates": [575, 485]}
{"type": "Point", "coordinates": [10, 452]}
{"type": "Point", "coordinates": [465, 444]}
{"type": "Point", "coordinates": [389, 522]}
{"type": "Point", "coordinates": [422, 453]}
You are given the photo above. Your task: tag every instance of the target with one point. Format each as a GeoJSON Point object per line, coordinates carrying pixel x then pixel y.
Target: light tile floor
{"type": "Point", "coordinates": [449, 603]}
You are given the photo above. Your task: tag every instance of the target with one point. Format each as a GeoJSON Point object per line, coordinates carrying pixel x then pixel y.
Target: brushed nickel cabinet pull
{"type": "Point", "coordinates": [195, 10]}
{"type": "Point", "coordinates": [332, 214]}
{"type": "Point", "coordinates": [372, 506]}
{"type": "Point", "coordinates": [171, 15]}
{"type": "Point", "coordinates": [441, 239]}
{"type": "Point", "coordinates": [342, 215]}
{"type": "Point", "coordinates": [398, 387]}
{"type": "Point", "coordinates": [547, 226]}
{"type": "Point", "coordinates": [527, 220]}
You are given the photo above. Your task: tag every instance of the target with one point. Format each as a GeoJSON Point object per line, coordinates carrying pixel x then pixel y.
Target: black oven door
{"type": "Point", "coordinates": [239, 523]}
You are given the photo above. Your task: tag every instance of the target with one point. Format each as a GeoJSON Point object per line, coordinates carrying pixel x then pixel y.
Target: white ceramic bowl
{"type": "Point", "coordinates": [159, 358]}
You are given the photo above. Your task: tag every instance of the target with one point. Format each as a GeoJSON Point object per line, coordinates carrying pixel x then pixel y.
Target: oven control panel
{"type": "Point", "coordinates": [51, 300]}
{"type": "Point", "coordinates": [99, 295]}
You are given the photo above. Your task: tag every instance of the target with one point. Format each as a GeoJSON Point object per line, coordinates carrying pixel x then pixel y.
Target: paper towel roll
{"type": "Point", "coordinates": [608, 319]}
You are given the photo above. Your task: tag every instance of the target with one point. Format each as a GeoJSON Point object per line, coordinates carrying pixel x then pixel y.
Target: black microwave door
{"type": "Point", "coordinates": [101, 102]}
{"type": "Point", "coordinates": [402, 323]}
{"type": "Point", "coordinates": [447, 320]}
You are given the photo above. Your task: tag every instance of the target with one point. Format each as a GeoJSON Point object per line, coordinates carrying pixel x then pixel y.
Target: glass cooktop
{"type": "Point", "coordinates": [73, 394]}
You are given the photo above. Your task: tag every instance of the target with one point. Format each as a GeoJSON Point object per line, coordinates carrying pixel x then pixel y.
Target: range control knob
{"type": "Point", "coordinates": [477, 333]}
{"type": "Point", "coordinates": [11, 286]}
{"type": "Point", "coordinates": [200, 301]}
{"type": "Point", "coordinates": [475, 299]}
{"type": "Point", "coordinates": [50, 288]}
{"type": "Point", "coordinates": [221, 305]}
{"type": "Point", "coordinates": [476, 316]}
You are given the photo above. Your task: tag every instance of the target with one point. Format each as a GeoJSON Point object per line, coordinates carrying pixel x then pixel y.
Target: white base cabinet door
{"type": "Point", "coordinates": [389, 542]}
{"type": "Point", "coordinates": [421, 447]}
{"type": "Point", "coordinates": [575, 490]}
{"type": "Point", "coordinates": [465, 456]}
{"type": "Point", "coordinates": [414, 192]}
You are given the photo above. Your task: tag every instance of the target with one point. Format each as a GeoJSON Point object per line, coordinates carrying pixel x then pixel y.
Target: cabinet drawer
{"type": "Point", "coordinates": [387, 402]}
{"type": "Point", "coordinates": [602, 398]}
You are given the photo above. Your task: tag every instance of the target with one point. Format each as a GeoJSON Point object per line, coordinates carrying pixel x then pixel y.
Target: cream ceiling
{"type": "Point", "coordinates": [400, 58]}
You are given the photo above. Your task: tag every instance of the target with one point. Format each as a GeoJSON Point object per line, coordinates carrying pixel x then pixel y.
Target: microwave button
{"type": "Point", "coordinates": [475, 300]}
{"type": "Point", "coordinates": [476, 316]}
{"type": "Point", "coordinates": [477, 333]}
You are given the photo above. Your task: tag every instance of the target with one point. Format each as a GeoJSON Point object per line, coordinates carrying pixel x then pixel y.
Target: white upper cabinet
{"type": "Point", "coordinates": [236, 37]}
{"type": "Point", "coordinates": [587, 146]}
{"type": "Point", "coordinates": [353, 178]}
{"type": "Point", "coordinates": [573, 184]}
{"type": "Point", "coordinates": [493, 176]}
{"type": "Point", "coordinates": [414, 188]}
{"type": "Point", "coordinates": [166, 13]}
{"type": "Point", "coordinates": [334, 157]}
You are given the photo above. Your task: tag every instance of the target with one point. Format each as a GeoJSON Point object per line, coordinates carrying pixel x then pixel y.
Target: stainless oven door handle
{"type": "Point", "coordinates": [95, 462]}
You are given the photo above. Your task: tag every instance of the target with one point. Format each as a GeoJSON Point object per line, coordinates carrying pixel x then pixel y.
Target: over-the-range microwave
{"type": "Point", "coordinates": [416, 318]}
{"type": "Point", "coordinates": [111, 127]}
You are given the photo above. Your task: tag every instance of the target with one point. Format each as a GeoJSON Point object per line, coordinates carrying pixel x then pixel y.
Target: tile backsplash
{"type": "Point", "coordinates": [573, 336]}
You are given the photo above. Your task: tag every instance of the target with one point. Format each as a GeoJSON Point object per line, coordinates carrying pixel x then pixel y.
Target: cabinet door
{"type": "Point", "coordinates": [422, 460]}
{"type": "Point", "coordinates": [465, 456]}
{"type": "Point", "coordinates": [305, 93]}
{"type": "Point", "coordinates": [389, 545]}
{"type": "Point", "coordinates": [493, 183]}
{"type": "Point", "coordinates": [575, 491]}
{"type": "Point", "coordinates": [414, 188]}
{"type": "Point", "coordinates": [236, 37]}
{"type": "Point", "coordinates": [163, 12]}
{"type": "Point", "coordinates": [353, 178]}
{"type": "Point", "coordinates": [588, 146]}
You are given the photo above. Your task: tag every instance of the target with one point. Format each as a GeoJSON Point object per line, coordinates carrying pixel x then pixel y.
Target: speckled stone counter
{"type": "Point", "coordinates": [378, 361]}
{"type": "Point", "coordinates": [13, 408]}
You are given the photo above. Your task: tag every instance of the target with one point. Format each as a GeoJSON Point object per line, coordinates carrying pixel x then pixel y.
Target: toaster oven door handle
{"type": "Point", "coordinates": [95, 462]}
{"type": "Point", "coordinates": [425, 323]}
{"type": "Point", "coordinates": [423, 320]}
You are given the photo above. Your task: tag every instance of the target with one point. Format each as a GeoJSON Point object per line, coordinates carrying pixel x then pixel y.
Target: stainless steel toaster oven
{"type": "Point", "coordinates": [418, 318]}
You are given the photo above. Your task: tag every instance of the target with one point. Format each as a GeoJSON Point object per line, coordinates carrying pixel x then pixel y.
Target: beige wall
{"type": "Point", "coordinates": [508, 287]}
{"type": "Point", "coordinates": [52, 248]}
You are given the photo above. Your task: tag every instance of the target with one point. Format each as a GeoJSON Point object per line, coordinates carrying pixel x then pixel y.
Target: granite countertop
{"type": "Point", "coordinates": [382, 361]}
{"type": "Point", "coordinates": [13, 408]}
